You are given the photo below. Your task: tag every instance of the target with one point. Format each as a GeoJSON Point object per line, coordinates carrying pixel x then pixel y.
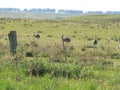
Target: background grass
{"type": "Point", "coordinates": [35, 15]}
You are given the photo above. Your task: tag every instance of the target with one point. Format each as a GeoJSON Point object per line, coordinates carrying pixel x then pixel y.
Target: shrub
{"type": "Point", "coordinates": [54, 52]}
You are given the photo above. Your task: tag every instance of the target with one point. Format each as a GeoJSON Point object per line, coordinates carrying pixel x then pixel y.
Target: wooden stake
{"type": "Point", "coordinates": [13, 41]}
{"type": "Point", "coordinates": [64, 49]}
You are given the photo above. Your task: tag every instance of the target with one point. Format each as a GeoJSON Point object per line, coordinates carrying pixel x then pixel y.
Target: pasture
{"type": "Point", "coordinates": [39, 63]}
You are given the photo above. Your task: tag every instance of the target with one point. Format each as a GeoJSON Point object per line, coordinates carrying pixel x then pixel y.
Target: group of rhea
{"type": "Point", "coordinates": [95, 41]}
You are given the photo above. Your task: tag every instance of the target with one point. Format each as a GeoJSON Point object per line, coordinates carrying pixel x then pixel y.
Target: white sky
{"type": "Point", "coordinates": [85, 5]}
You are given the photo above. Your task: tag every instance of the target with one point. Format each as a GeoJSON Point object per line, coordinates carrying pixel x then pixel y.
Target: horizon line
{"type": "Point", "coordinates": [22, 9]}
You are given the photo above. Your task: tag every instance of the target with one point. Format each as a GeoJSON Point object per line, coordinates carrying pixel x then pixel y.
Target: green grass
{"type": "Point", "coordinates": [88, 67]}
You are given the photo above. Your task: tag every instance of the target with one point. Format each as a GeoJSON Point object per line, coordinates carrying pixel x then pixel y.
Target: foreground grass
{"type": "Point", "coordinates": [16, 76]}
{"type": "Point", "coordinates": [17, 80]}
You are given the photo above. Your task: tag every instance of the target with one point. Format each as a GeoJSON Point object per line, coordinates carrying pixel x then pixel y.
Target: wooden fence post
{"type": "Point", "coordinates": [13, 41]}
{"type": "Point", "coordinates": [64, 48]}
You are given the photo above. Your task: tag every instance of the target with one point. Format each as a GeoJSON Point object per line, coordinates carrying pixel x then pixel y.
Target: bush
{"type": "Point", "coordinates": [56, 70]}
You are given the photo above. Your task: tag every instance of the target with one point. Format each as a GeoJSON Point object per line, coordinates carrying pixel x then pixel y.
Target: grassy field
{"type": "Point", "coordinates": [88, 66]}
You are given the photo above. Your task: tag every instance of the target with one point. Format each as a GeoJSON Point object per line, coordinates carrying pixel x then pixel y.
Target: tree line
{"type": "Point", "coordinates": [49, 10]}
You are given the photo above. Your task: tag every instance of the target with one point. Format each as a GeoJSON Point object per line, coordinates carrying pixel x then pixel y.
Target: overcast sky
{"type": "Point", "coordinates": [86, 5]}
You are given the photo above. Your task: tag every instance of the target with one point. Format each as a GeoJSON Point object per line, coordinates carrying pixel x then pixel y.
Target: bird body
{"type": "Point", "coordinates": [95, 42]}
{"type": "Point", "coordinates": [66, 40]}
{"type": "Point", "coordinates": [36, 36]}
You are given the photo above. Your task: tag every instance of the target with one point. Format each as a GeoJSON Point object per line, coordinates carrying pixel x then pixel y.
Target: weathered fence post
{"type": "Point", "coordinates": [13, 41]}
{"type": "Point", "coordinates": [64, 49]}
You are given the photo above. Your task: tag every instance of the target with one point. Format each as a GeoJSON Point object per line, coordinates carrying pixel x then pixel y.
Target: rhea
{"type": "Point", "coordinates": [95, 41]}
{"type": "Point", "coordinates": [66, 39]}
{"type": "Point", "coordinates": [36, 36]}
